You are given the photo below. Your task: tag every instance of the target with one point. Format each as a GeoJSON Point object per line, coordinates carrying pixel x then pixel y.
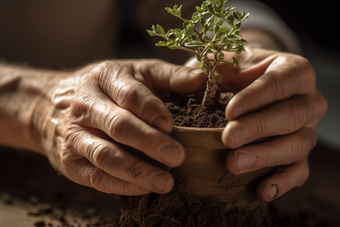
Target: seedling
{"type": "Point", "coordinates": [195, 38]}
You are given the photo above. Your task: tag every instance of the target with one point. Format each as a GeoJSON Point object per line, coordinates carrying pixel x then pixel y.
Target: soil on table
{"type": "Point", "coordinates": [27, 181]}
{"type": "Point", "coordinates": [181, 207]}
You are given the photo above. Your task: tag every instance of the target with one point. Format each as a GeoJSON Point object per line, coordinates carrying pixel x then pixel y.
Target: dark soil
{"type": "Point", "coordinates": [192, 115]}
{"type": "Point", "coordinates": [181, 207]}
{"type": "Point", "coordinates": [187, 111]}
{"type": "Point", "coordinates": [55, 201]}
{"type": "Point", "coordinates": [51, 200]}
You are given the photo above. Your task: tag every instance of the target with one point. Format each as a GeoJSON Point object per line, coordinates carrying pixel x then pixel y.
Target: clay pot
{"type": "Point", "coordinates": [206, 172]}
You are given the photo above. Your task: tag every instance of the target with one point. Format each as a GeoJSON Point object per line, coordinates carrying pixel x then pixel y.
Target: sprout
{"type": "Point", "coordinates": [212, 17]}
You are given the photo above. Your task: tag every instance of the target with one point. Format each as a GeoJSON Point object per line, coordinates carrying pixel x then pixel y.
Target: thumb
{"type": "Point", "coordinates": [167, 77]}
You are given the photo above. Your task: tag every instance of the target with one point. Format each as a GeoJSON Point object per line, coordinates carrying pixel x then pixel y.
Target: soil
{"type": "Point", "coordinates": [32, 194]}
{"type": "Point", "coordinates": [181, 207]}
{"type": "Point", "coordinates": [188, 112]}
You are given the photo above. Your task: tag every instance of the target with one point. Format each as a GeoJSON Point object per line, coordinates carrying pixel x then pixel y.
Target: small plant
{"type": "Point", "coordinates": [210, 17]}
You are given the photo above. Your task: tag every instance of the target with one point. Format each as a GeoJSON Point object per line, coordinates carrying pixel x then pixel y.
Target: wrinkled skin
{"type": "Point", "coordinates": [113, 101]}
{"type": "Point", "coordinates": [276, 97]}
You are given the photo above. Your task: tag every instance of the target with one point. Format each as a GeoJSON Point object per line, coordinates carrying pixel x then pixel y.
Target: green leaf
{"type": "Point", "coordinates": [217, 29]}
{"type": "Point", "coordinates": [185, 24]}
{"type": "Point", "coordinates": [150, 32]}
{"type": "Point", "coordinates": [196, 17]}
{"type": "Point", "coordinates": [230, 20]}
{"type": "Point", "coordinates": [171, 11]}
{"type": "Point", "coordinates": [194, 44]}
{"type": "Point", "coordinates": [160, 29]}
{"type": "Point", "coordinates": [237, 25]}
{"type": "Point", "coordinates": [235, 62]}
{"type": "Point", "coordinates": [179, 11]}
{"type": "Point", "coordinates": [161, 43]}
{"type": "Point", "coordinates": [237, 16]}
{"type": "Point", "coordinates": [198, 9]}
{"type": "Point", "coordinates": [218, 77]}
{"type": "Point", "coordinates": [202, 22]}
{"type": "Point", "coordinates": [193, 37]}
{"type": "Point", "coordinates": [211, 9]}
{"type": "Point", "coordinates": [220, 56]}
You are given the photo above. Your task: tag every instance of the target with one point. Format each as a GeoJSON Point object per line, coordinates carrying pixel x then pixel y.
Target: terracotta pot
{"type": "Point", "coordinates": [206, 172]}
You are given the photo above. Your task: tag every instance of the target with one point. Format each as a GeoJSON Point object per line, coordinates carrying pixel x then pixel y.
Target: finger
{"type": "Point", "coordinates": [281, 150]}
{"type": "Point", "coordinates": [85, 173]}
{"type": "Point", "coordinates": [125, 128]}
{"type": "Point", "coordinates": [118, 82]}
{"type": "Point", "coordinates": [166, 77]}
{"type": "Point", "coordinates": [253, 64]}
{"type": "Point", "coordinates": [289, 177]}
{"type": "Point", "coordinates": [279, 119]}
{"type": "Point", "coordinates": [287, 75]}
{"type": "Point", "coordinates": [112, 163]}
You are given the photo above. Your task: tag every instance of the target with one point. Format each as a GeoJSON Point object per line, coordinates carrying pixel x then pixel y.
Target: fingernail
{"type": "Point", "coordinates": [169, 153]}
{"type": "Point", "coordinates": [160, 123]}
{"type": "Point", "coordinates": [273, 192]}
{"type": "Point", "coordinates": [159, 181]}
{"type": "Point", "coordinates": [239, 135]}
{"type": "Point", "coordinates": [240, 110]}
{"type": "Point", "coordinates": [244, 162]}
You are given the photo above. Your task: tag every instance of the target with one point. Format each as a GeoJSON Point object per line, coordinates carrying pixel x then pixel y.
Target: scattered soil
{"type": "Point", "coordinates": [29, 184]}
{"type": "Point", "coordinates": [181, 207]}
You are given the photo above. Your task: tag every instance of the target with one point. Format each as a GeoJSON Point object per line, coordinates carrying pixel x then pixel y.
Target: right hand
{"type": "Point", "coordinates": [114, 101]}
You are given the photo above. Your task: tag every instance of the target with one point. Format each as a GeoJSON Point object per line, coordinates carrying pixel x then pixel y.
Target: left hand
{"type": "Point", "coordinates": [275, 96]}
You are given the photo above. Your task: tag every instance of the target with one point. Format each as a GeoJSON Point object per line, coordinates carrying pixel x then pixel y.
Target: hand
{"type": "Point", "coordinates": [276, 97]}
{"type": "Point", "coordinates": [111, 102]}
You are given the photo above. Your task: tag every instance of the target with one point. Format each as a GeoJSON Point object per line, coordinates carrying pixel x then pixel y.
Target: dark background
{"type": "Point", "coordinates": [316, 23]}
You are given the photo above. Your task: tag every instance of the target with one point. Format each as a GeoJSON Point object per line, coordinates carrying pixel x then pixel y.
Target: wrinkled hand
{"type": "Point", "coordinates": [115, 101]}
{"type": "Point", "coordinates": [275, 96]}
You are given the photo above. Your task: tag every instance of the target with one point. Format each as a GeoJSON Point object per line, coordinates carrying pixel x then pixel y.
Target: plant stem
{"type": "Point", "coordinates": [212, 91]}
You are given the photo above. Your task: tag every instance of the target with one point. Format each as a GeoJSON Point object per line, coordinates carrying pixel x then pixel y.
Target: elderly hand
{"type": "Point", "coordinates": [276, 96]}
{"type": "Point", "coordinates": [111, 102]}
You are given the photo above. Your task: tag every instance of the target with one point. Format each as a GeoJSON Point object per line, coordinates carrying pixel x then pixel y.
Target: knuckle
{"type": "Point", "coordinates": [126, 94]}
{"type": "Point", "coordinates": [70, 138]}
{"type": "Point", "coordinates": [260, 128]}
{"type": "Point", "coordinates": [301, 147]}
{"type": "Point", "coordinates": [135, 170]}
{"type": "Point", "coordinates": [97, 181]}
{"type": "Point", "coordinates": [100, 72]}
{"type": "Point", "coordinates": [106, 73]}
{"type": "Point", "coordinates": [82, 105]}
{"type": "Point", "coordinates": [117, 125]}
{"type": "Point", "coordinates": [281, 90]}
{"type": "Point", "coordinates": [105, 157]}
{"type": "Point", "coordinates": [297, 116]}
{"type": "Point", "coordinates": [267, 158]}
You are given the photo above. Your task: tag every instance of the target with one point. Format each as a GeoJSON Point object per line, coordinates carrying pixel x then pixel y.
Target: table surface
{"type": "Point", "coordinates": [29, 185]}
